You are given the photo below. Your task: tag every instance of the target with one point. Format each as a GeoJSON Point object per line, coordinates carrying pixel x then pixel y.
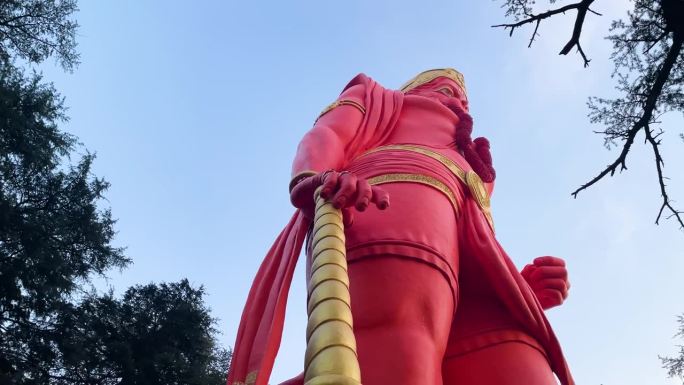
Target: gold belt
{"type": "Point", "coordinates": [469, 178]}
{"type": "Point", "coordinates": [418, 178]}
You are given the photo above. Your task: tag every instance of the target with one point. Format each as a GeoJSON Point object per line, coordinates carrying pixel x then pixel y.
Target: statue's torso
{"type": "Point", "coordinates": [421, 222]}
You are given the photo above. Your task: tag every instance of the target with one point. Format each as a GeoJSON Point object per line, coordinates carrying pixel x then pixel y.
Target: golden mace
{"type": "Point", "coordinates": [330, 357]}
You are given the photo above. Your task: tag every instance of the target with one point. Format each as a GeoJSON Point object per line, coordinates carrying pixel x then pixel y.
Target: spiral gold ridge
{"type": "Point", "coordinates": [326, 273]}
{"type": "Point", "coordinates": [329, 230]}
{"type": "Point", "coordinates": [330, 357]}
{"type": "Point", "coordinates": [327, 244]}
{"type": "Point", "coordinates": [328, 335]}
{"type": "Point", "coordinates": [332, 257]}
{"type": "Point", "coordinates": [324, 221]}
{"type": "Point", "coordinates": [327, 209]}
{"type": "Point", "coordinates": [326, 291]}
{"type": "Point", "coordinates": [326, 311]}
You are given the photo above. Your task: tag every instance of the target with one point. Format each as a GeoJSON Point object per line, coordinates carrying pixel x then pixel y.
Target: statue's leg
{"type": "Point", "coordinates": [402, 310]}
{"type": "Point", "coordinates": [507, 363]}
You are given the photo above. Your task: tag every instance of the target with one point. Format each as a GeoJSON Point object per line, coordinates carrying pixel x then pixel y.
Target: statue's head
{"type": "Point", "coordinates": [445, 84]}
{"type": "Point", "coordinates": [448, 86]}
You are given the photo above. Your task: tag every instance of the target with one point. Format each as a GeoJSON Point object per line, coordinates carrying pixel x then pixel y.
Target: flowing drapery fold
{"type": "Point", "coordinates": [261, 326]}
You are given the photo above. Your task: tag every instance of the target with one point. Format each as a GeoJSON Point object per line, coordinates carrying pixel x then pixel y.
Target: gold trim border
{"type": "Point", "coordinates": [343, 102]}
{"type": "Point", "coordinates": [470, 178]}
{"type": "Point", "coordinates": [430, 75]}
{"type": "Point", "coordinates": [418, 178]}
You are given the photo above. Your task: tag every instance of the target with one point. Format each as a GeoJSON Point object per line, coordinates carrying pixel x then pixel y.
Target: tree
{"type": "Point", "coordinates": [648, 56]}
{"type": "Point", "coordinates": [156, 334]}
{"type": "Point", "coordinates": [675, 366]}
{"type": "Point", "coordinates": [55, 236]}
{"type": "Point", "coordinates": [34, 30]}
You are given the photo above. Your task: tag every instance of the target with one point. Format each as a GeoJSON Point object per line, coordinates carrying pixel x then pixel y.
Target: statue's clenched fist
{"type": "Point", "coordinates": [548, 278]}
{"type": "Point", "coordinates": [342, 189]}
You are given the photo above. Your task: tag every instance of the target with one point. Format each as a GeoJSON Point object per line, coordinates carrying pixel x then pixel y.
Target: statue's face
{"type": "Point", "coordinates": [445, 90]}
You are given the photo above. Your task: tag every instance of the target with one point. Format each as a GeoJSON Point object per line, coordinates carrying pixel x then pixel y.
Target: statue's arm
{"type": "Point", "coordinates": [322, 154]}
{"type": "Point", "coordinates": [323, 147]}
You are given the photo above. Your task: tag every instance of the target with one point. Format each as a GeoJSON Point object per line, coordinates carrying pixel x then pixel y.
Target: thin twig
{"type": "Point", "coordinates": [643, 124]}
{"type": "Point", "coordinates": [534, 34]}
{"type": "Point", "coordinates": [594, 12]}
{"type": "Point", "coordinates": [661, 180]}
{"type": "Point", "coordinates": [620, 161]}
{"type": "Point", "coordinates": [582, 8]}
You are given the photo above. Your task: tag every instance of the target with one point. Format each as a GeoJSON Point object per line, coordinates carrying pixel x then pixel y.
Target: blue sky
{"type": "Point", "coordinates": [195, 112]}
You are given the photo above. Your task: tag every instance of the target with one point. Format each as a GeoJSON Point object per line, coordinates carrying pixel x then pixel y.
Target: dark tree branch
{"type": "Point", "coordinates": [661, 180]}
{"type": "Point", "coordinates": [534, 34]}
{"type": "Point", "coordinates": [657, 40]}
{"type": "Point", "coordinates": [645, 119]}
{"type": "Point", "coordinates": [594, 12]}
{"type": "Point", "coordinates": [620, 161]}
{"type": "Point", "coordinates": [649, 67]}
{"type": "Point", "coordinates": [582, 8]}
{"type": "Point", "coordinates": [577, 31]}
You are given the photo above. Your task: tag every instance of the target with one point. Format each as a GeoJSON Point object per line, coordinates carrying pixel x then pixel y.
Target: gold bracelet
{"type": "Point", "coordinates": [300, 176]}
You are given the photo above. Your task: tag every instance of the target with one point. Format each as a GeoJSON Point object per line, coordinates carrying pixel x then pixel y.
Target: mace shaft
{"type": "Point", "coordinates": [330, 357]}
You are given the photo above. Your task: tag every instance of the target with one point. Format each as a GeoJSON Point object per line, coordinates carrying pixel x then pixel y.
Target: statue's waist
{"type": "Point", "coordinates": [410, 163]}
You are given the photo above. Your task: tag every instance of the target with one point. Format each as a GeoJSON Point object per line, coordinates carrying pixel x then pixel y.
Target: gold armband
{"type": "Point", "coordinates": [343, 102]}
{"type": "Point", "coordinates": [299, 177]}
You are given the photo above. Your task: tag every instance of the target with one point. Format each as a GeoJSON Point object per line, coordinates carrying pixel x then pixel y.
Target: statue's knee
{"type": "Point", "coordinates": [405, 293]}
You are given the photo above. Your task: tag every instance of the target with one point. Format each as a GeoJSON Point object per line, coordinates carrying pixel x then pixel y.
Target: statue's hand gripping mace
{"type": "Point", "coordinates": [330, 357]}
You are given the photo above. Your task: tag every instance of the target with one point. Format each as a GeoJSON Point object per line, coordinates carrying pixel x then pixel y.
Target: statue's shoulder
{"type": "Point", "coordinates": [353, 94]}
{"type": "Point", "coordinates": [358, 93]}
{"type": "Point", "coordinates": [357, 88]}
{"type": "Point", "coordinates": [363, 83]}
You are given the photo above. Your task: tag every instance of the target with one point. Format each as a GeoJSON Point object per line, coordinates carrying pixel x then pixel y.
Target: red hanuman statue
{"type": "Point", "coordinates": [434, 297]}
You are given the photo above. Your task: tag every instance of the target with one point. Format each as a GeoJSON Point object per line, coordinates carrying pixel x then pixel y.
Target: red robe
{"type": "Point", "coordinates": [372, 119]}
